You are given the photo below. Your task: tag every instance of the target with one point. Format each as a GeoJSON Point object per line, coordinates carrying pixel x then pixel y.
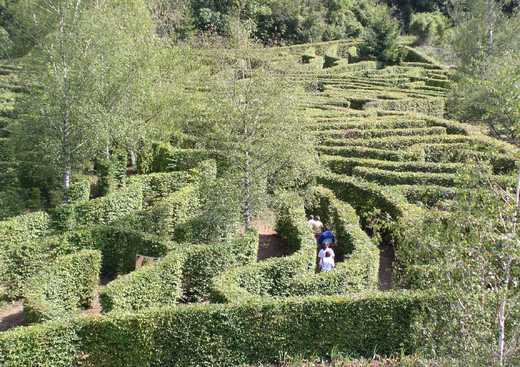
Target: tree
{"type": "Point", "coordinates": [249, 119]}
{"type": "Point", "coordinates": [380, 39]}
{"type": "Point", "coordinates": [98, 83]}
{"type": "Point", "coordinates": [486, 43]}
{"type": "Point", "coordinates": [471, 254]}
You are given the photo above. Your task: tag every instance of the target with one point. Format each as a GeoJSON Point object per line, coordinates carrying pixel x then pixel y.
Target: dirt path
{"type": "Point", "coordinates": [386, 261]}
{"type": "Point", "coordinates": [270, 243]}
{"type": "Point", "coordinates": [11, 315]}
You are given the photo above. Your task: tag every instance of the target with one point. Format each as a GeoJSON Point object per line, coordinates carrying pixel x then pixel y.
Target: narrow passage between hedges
{"type": "Point", "coordinates": [11, 315]}
{"type": "Point", "coordinates": [270, 244]}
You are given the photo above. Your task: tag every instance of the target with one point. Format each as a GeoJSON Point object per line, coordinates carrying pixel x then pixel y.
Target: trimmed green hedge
{"type": "Point", "coordinates": [356, 133]}
{"type": "Point", "coordinates": [401, 142]}
{"type": "Point", "coordinates": [60, 289]}
{"type": "Point", "coordinates": [104, 210]}
{"type": "Point", "coordinates": [429, 106]}
{"type": "Point", "coordinates": [385, 177]}
{"type": "Point", "coordinates": [227, 335]}
{"type": "Point", "coordinates": [162, 184]}
{"type": "Point", "coordinates": [16, 235]}
{"type": "Point", "coordinates": [170, 216]}
{"type": "Point", "coordinates": [185, 274]}
{"type": "Point", "coordinates": [119, 246]}
{"type": "Point", "coordinates": [150, 286]}
{"type": "Point", "coordinates": [272, 277]}
{"type": "Point", "coordinates": [371, 153]}
{"type": "Point", "coordinates": [343, 165]}
{"type": "Point", "coordinates": [365, 196]}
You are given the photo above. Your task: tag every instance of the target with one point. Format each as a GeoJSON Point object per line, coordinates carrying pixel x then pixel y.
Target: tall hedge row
{"type": "Point", "coordinates": [185, 274]}
{"type": "Point", "coordinates": [60, 289]}
{"type": "Point", "coordinates": [226, 335]}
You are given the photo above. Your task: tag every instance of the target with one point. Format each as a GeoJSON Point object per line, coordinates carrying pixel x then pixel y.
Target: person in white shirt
{"type": "Point", "coordinates": [323, 253]}
{"type": "Point", "coordinates": [312, 222]}
{"type": "Point", "coordinates": [328, 262]}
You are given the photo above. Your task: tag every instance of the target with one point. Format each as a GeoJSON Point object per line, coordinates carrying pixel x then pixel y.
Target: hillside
{"type": "Point", "coordinates": [383, 145]}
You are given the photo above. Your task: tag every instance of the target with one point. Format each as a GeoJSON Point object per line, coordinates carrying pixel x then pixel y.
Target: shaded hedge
{"type": "Point", "coordinates": [61, 288]}
{"type": "Point", "coordinates": [104, 210]}
{"type": "Point", "coordinates": [226, 335]}
{"type": "Point", "coordinates": [16, 235]}
{"type": "Point", "coordinates": [184, 274]}
{"type": "Point", "coordinates": [150, 286]}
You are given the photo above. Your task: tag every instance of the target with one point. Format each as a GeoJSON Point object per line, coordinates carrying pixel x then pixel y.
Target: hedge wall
{"type": "Point", "coordinates": [170, 216]}
{"type": "Point", "coordinates": [60, 289]}
{"type": "Point", "coordinates": [119, 246]}
{"type": "Point", "coordinates": [385, 177]}
{"type": "Point", "coordinates": [16, 236]}
{"type": "Point", "coordinates": [226, 335]}
{"type": "Point", "coordinates": [104, 210]}
{"type": "Point", "coordinates": [429, 106]}
{"type": "Point", "coordinates": [147, 287]}
{"type": "Point", "coordinates": [157, 185]}
{"type": "Point", "coordinates": [184, 275]}
{"type": "Point", "coordinates": [343, 165]}
{"type": "Point", "coordinates": [371, 153]}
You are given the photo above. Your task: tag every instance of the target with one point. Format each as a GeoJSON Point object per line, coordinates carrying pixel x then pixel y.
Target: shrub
{"type": "Point", "coordinates": [430, 106]}
{"type": "Point", "coordinates": [381, 38]}
{"type": "Point", "coordinates": [157, 185]}
{"type": "Point", "coordinates": [104, 210]}
{"type": "Point", "coordinates": [111, 171]}
{"type": "Point", "coordinates": [119, 246]}
{"type": "Point", "coordinates": [60, 289]}
{"type": "Point", "coordinates": [385, 177]}
{"type": "Point", "coordinates": [79, 190]}
{"type": "Point", "coordinates": [147, 287]}
{"type": "Point", "coordinates": [429, 27]}
{"type": "Point", "coordinates": [171, 216]}
{"type": "Point", "coordinates": [15, 236]}
{"type": "Point", "coordinates": [6, 45]}
{"type": "Point", "coordinates": [345, 166]}
{"type": "Point", "coordinates": [185, 274]}
{"type": "Point", "coordinates": [228, 335]}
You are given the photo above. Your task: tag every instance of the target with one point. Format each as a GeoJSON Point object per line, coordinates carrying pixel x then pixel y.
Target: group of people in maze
{"type": "Point", "coordinates": [326, 242]}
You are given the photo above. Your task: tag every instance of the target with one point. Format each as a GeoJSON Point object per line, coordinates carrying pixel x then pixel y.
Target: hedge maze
{"type": "Point", "coordinates": [384, 146]}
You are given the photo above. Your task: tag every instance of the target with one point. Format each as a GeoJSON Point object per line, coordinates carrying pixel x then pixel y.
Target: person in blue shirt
{"type": "Point", "coordinates": [327, 237]}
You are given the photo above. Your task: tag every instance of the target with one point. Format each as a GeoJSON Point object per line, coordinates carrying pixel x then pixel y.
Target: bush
{"type": "Point", "coordinates": [185, 274]}
{"type": "Point", "coordinates": [15, 235]}
{"type": "Point", "coordinates": [172, 216]}
{"type": "Point", "coordinates": [6, 45]}
{"type": "Point", "coordinates": [345, 166]}
{"type": "Point", "coordinates": [429, 106]}
{"type": "Point", "coordinates": [429, 27]}
{"type": "Point", "coordinates": [60, 289]}
{"type": "Point", "coordinates": [147, 287]}
{"type": "Point", "coordinates": [104, 210]}
{"type": "Point", "coordinates": [111, 172]}
{"type": "Point", "coordinates": [158, 185]}
{"type": "Point", "coordinates": [381, 38]}
{"type": "Point", "coordinates": [119, 246]}
{"type": "Point", "coordinates": [79, 190]}
{"type": "Point", "coordinates": [385, 177]}
{"type": "Point", "coordinates": [227, 335]}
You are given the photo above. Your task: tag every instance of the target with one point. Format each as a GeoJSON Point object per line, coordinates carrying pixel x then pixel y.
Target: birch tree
{"type": "Point", "coordinates": [249, 118]}
{"type": "Point", "coordinates": [95, 76]}
{"type": "Point", "coordinates": [472, 253]}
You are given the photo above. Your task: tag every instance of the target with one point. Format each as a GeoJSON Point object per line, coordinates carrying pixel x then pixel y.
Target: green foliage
{"type": "Point", "coordinates": [380, 38]}
{"type": "Point", "coordinates": [184, 274]}
{"type": "Point", "coordinates": [111, 172]}
{"type": "Point", "coordinates": [429, 27]}
{"type": "Point", "coordinates": [104, 210]}
{"type": "Point", "coordinates": [470, 251]}
{"type": "Point", "coordinates": [119, 246]}
{"type": "Point", "coordinates": [6, 45]}
{"type": "Point", "coordinates": [61, 288]}
{"type": "Point", "coordinates": [227, 335]}
{"type": "Point", "coordinates": [150, 286]}
{"type": "Point", "coordinates": [79, 190]}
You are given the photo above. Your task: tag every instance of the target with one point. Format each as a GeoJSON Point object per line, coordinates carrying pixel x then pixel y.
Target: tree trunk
{"type": "Point", "coordinates": [248, 197]}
